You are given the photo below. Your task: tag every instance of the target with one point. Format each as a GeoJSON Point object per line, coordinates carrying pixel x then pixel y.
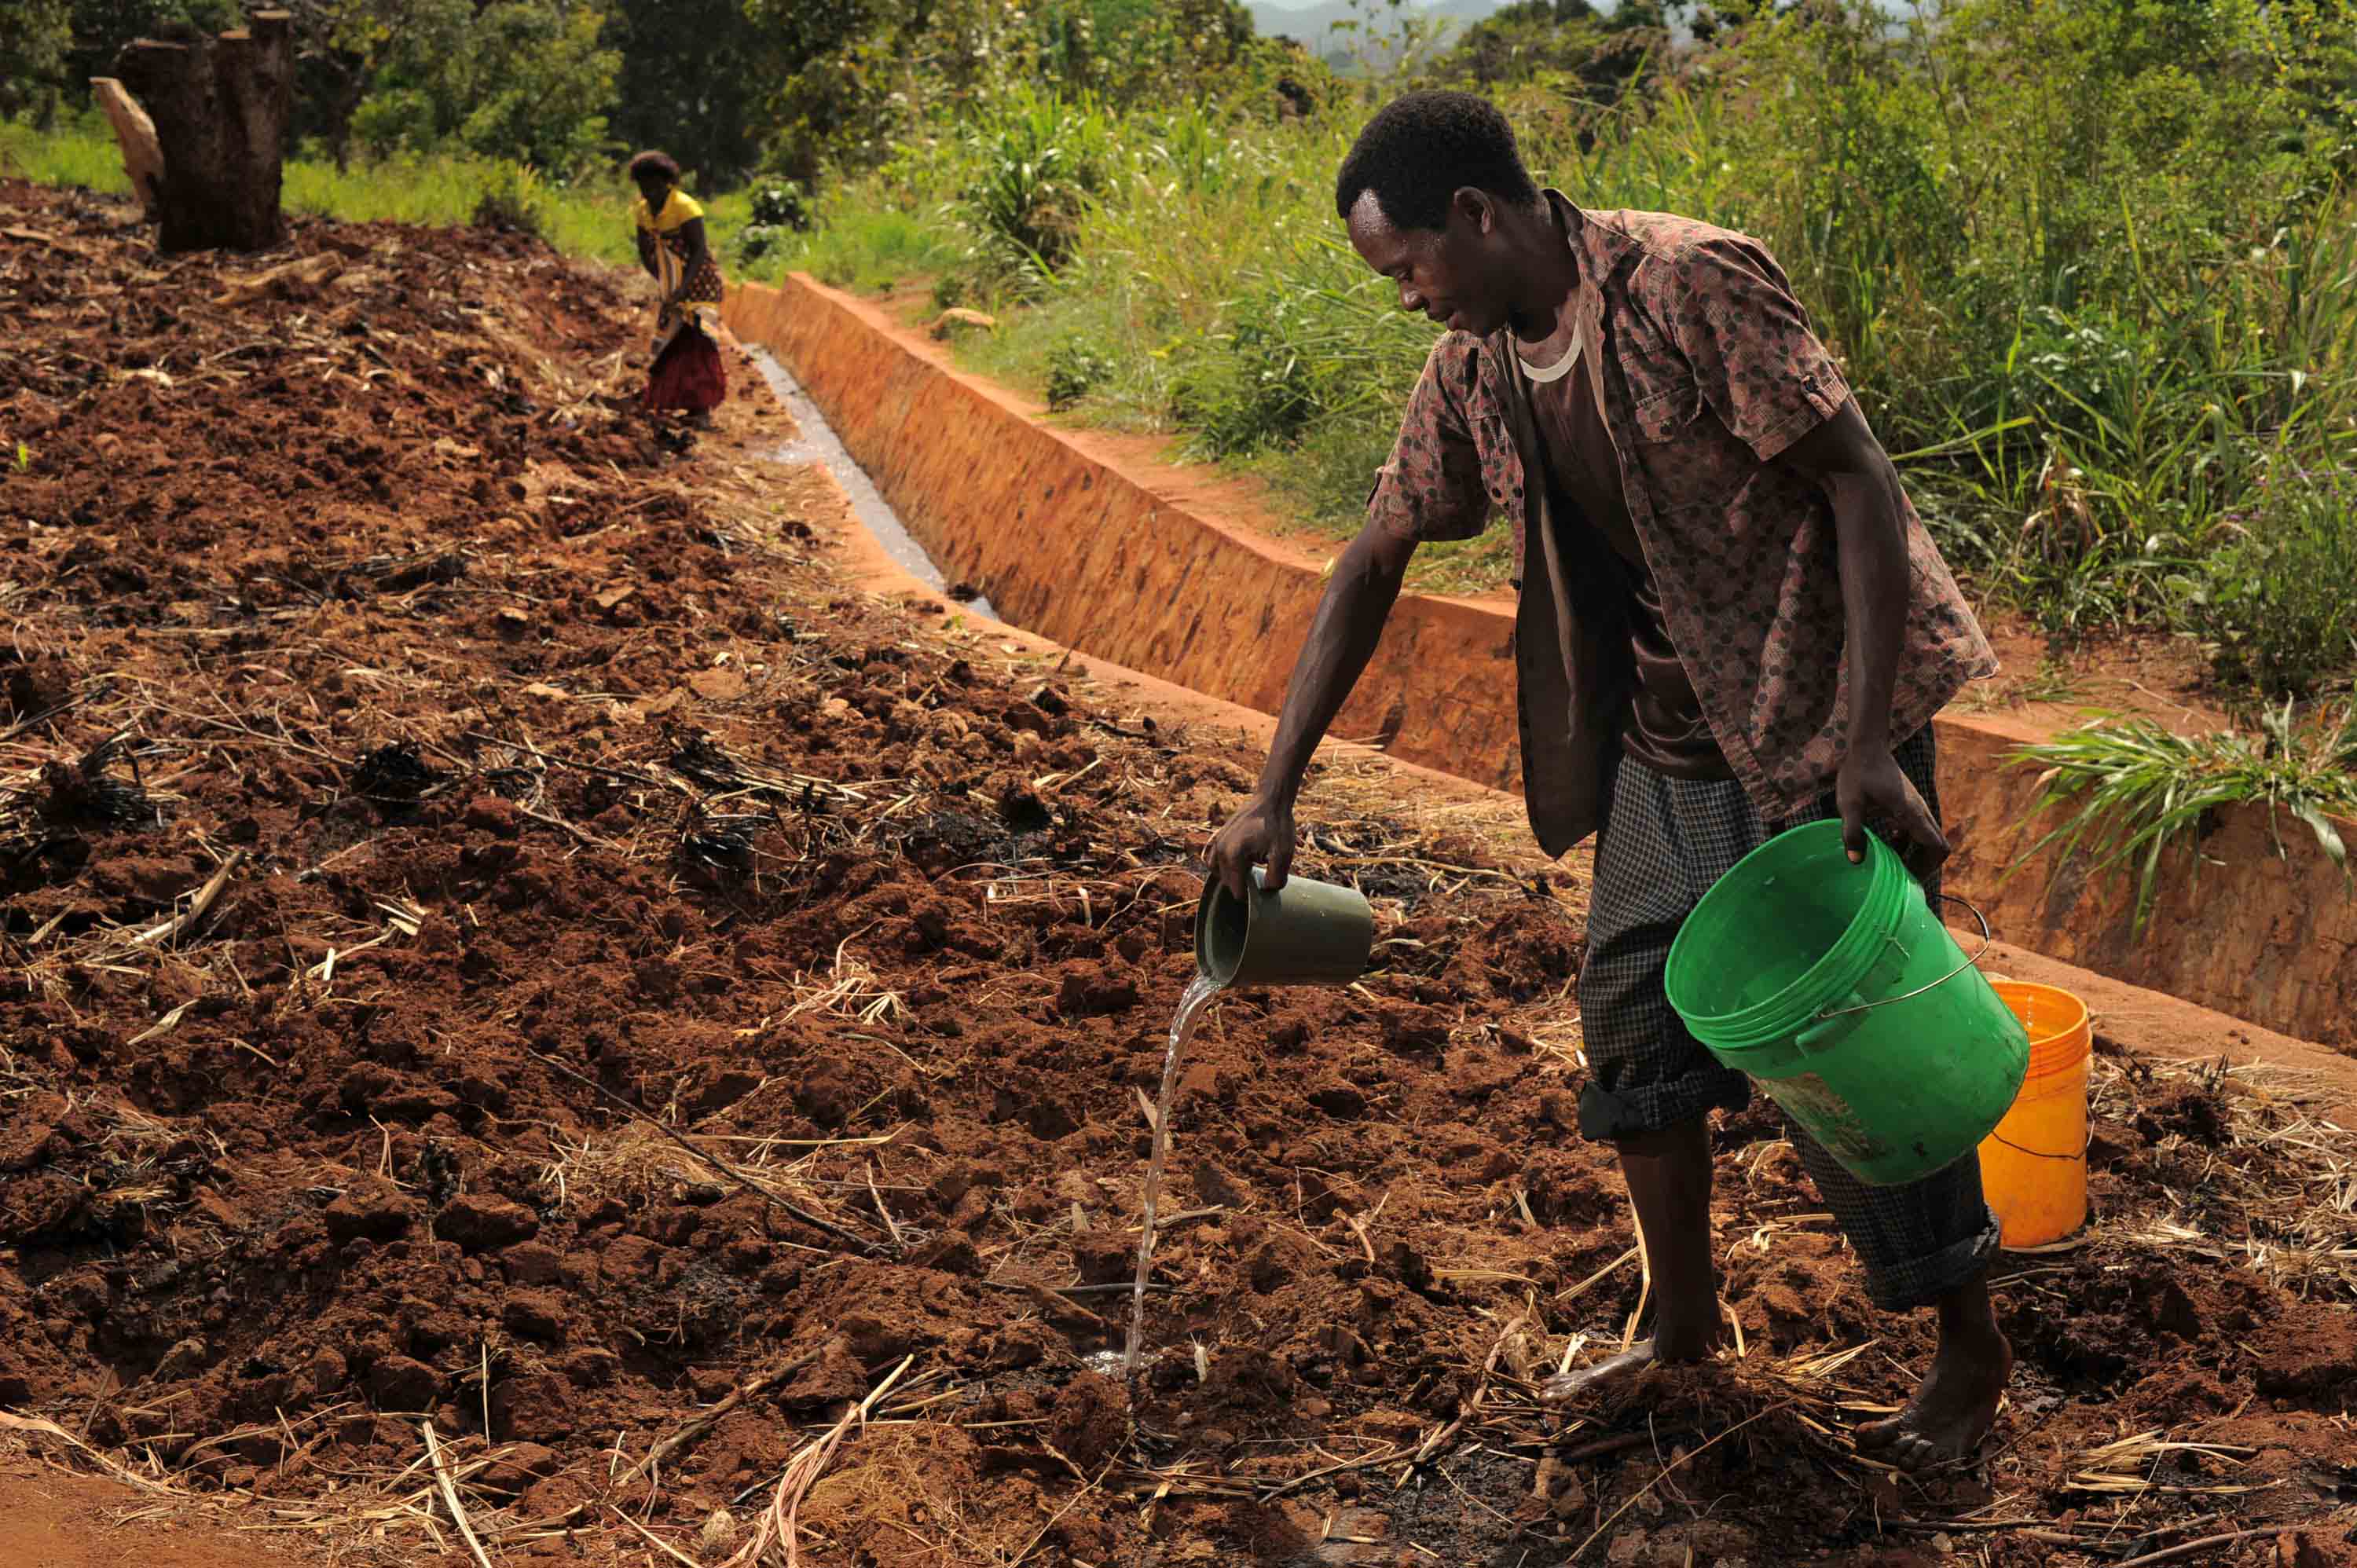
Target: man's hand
{"type": "Point", "coordinates": [1872, 788]}
{"type": "Point", "coordinates": [1261, 834]}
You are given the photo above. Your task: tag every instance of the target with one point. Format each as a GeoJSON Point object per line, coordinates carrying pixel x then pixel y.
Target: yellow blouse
{"type": "Point", "coordinates": [672, 254]}
{"type": "Point", "coordinates": [677, 209]}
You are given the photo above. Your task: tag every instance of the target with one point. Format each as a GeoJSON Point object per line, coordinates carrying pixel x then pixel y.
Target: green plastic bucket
{"type": "Point", "coordinates": [1837, 988]}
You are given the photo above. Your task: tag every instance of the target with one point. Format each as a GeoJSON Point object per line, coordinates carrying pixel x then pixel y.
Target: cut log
{"type": "Point", "coordinates": [220, 108]}
{"type": "Point", "coordinates": [308, 270]}
{"type": "Point", "coordinates": [142, 160]}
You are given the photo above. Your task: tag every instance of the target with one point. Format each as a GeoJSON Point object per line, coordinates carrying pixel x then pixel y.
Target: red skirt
{"type": "Point", "coordinates": [688, 373]}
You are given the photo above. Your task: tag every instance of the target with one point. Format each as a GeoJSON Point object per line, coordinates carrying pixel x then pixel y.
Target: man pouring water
{"type": "Point", "coordinates": [1731, 621]}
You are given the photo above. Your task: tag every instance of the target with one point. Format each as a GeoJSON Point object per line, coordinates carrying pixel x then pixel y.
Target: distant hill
{"type": "Point", "coordinates": [1314, 25]}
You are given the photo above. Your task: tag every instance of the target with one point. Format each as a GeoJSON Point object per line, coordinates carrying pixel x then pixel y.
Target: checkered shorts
{"type": "Point", "coordinates": [1666, 842]}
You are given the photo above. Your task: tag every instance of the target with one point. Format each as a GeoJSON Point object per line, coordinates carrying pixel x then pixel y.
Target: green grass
{"type": "Point", "coordinates": [444, 190]}
{"type": "Point", "coordinates": [869, 251]}
{"type": "Point", "coordinates": [588, 220]}
{"type": "Point", "coordinates": [75, 154]}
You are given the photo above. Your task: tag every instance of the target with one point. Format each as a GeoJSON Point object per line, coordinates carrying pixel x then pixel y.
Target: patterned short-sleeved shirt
{"type": "Point", "coordinates": [1710, 371]}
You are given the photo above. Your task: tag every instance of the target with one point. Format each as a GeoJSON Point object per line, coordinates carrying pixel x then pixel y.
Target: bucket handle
{"type": "Point", "coordinates": [2043, 1155]}
{"type": "Point", "coordinates": [1989, 940]}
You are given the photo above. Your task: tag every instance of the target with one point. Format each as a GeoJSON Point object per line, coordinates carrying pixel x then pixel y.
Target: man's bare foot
{"type": "Point", "coordinates": [1955, 1406]}
{"type": "Point", "coordinates": [1669, 1347]}
{"type": "Point", "coordinates": [1668, 1174]}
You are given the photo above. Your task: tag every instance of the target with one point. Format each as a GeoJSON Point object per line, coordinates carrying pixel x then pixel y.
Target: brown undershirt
{"type": "Point", "coordinates": [1665, 729]}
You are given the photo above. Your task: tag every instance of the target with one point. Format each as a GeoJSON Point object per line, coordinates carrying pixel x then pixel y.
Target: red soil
{"type": "Point", "coordinates": [57, 1519]}
{"type": "Point", "coordinates": [889, 921]}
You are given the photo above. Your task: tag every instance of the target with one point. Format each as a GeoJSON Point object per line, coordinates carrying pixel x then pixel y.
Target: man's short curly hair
{"type": "Point", "coordinates": [1421, 148]}
{"type": "Point", "coordinates": [654, 163]}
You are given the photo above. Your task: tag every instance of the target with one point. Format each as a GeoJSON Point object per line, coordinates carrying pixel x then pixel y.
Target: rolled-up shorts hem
{"type": "Point", "coordinates": [1606, 1117]}
{"type": "Point", "coordinates": [1921, 1282]}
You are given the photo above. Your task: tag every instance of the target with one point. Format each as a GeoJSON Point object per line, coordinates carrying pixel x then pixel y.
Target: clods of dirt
{"type": "Point", "coordinates": [638, 964]}
{"type": "Point", "coordinates": [1090, 1419]}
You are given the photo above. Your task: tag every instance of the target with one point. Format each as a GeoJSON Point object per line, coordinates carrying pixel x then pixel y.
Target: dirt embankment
{"type": "Point", "coordinates": [639, 970]}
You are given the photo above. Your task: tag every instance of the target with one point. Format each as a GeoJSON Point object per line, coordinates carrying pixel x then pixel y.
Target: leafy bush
{"type": "Point", "coordinates": [781, 204]}
{"type": "Point", "coordinates": [397, 119]}
{"type": "Point", "coordinates": [2278, 607]}
{"type": "Point", "coordinates": [1038, 165]}
{"type": "Point", "coordinates": [511, 202]}
{"type": "Point", "coordinates": [1074, 369]}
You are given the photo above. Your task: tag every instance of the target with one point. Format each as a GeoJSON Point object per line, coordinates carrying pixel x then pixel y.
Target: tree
{"type": "Point", "coordinates": [841, 61]}
{"type": "Point", "coordinates": [855, 74]}
{"type": "Point", "coordinates": [35, 35]}
{"type": "Point", "coordinates": [345, 45]}
{"type": "Point", "coordinates": [1606, 50]}
{"type": "Point", "coordinates": [695, 75]}
{"type": "Point", "coordinates": [100, 28]}
{"type": "Point", "coordinates": [1387, 40]}
{"type": "Point", "coordinates": [50, 49]}
{"type": "Point", "coordinates": [527, 79]}
{"type": "Point", "coordinates": [534, 83]}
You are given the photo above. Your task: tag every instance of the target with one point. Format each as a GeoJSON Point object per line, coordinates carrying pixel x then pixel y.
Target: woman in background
{"type": "Point", "coordinates": [687, 372]}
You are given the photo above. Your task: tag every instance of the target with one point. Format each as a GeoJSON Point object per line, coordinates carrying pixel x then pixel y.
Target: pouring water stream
{"type": "Point", "coordinates": [1191, 1003]}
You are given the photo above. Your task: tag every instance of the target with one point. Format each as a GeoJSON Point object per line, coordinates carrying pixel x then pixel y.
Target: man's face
{"type": "Point", "coordinates": [1443, 273]}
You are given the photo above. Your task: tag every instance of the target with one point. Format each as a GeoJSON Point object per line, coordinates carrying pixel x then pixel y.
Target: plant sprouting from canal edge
{"type": "Point", "coordinates": [2138, 787]}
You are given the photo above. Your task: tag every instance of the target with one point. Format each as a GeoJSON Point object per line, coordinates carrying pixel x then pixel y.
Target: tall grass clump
{"type": "Point", "coordinates": [2134, 789]}
{"type": "Point", "coordinates": [1313, 340]}
{"type": "Point", "coordinates": [1037, 162]}
{"type": "Point", "coordinates": [2276, 606]}
{"type": "Point", "coordinates": [2064, 251]}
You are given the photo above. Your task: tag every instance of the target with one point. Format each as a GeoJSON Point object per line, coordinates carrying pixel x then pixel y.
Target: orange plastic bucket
{"type": "Point", "coordinates": [2034, 1166]}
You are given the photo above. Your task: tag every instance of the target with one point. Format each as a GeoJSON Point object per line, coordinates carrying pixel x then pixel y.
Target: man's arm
{"type": "Point", "coordinates": [1350, 622]}
{"type": "Point", "coordinates": [1763, 371]}
{"type": "Point", "coordinates": [1430, 489]}
{"type": "Point", "coordinates": [1850, 466]}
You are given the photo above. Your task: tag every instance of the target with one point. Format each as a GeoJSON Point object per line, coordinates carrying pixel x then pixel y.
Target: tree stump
{"type": "Point", "coordinates": [221, 107]}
